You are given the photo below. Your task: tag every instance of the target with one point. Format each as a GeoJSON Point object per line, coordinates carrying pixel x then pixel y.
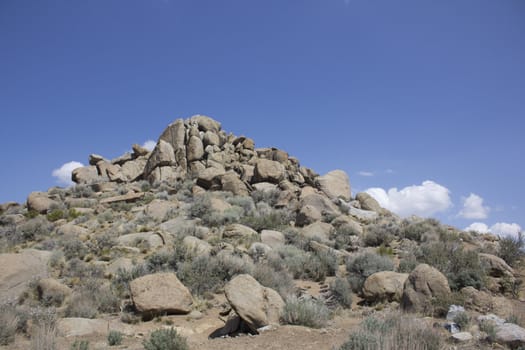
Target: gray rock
{"type": "Point", "coordinates": [86, 175]}
{"type": "Point", "coordinates": [153, 239]}
{"type": "Point", "coordinates": [335, 184]}
{"type": "Point", "coordinates": [162, 155]}
{"type": "Point", "coordinates": [384, 286]}
{"type": "Point", "coordinates": [461, 337]}
{"type": "Point", "coordinates": [206, 123]}
{"type": "Point", "coordinates": [511, 335]}
{"type": "Point", "coordinates": [232, 183]}
{"type": "Point", "coordinates": [319, 231]}
{"type": "Point", "coordinates": [368, 202]}
{"type": "Point", "coordinates": [197, 245]}
{"type": "Point", "coordinates": [424, 283]}
{"type": "Point", "coordinates": [194, 149]}
{"type": "Point", "coordinates": [238, 231]}
{"type": "Point", "coordinates": [268, 171]}
{"type": "Point", "coordinates": [363, 215]}
{"type": "Point", "coordinates": [159, 209]}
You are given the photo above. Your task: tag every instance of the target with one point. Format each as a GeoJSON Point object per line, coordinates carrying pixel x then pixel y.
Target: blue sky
{"type": "Point", "coordinates": [422, 100]}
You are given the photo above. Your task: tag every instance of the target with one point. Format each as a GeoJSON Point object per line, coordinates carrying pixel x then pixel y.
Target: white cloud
{"type": "Point", "coordinates": [473, 208]}
{"type": "Point", "coordinates": [478, 227]}
{"type": "Point", "coordinates": [505, 229]}
{"type": "Point", "coordinates": [500, 228]}
{"type": "Point", "coordinates": [149, 145]}
{"type": "Point", "coordinates": [366, 173]}
{"type": "Point", "coordinates": [63, 174]}
{"type": "Point", "coordinates": [423, 200]}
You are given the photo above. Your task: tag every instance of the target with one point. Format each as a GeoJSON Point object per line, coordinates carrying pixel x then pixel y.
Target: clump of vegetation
{"type": "Point", "coordinates": [462, 320]}
{"type": "Point", "coordinates": [8, 323]}
{"type": "Point", "coordinates": [165, 339]}
{"type": "Point", "coordinates": [393, 332]}
{"type": "Point", "coordinates": [94, 297]}
{"type": "Point", "coordinates": [305, 312]}
{"type": "Point", "coordinates": [511, 249]}
{"type": "Point", "coordinates": [278, 280]}
{"type": "Point", "coordinates": [361, 266]}
{"type": "Point", "coordinates": [380, 233]}
{"type": "Point", "coordinates": [33, 229]}
{"type": "Point", "coordinates": [115, 338]}
{"type": "Point", "coordinates": [342, 292]}
{"type": "Point", "coordinates": [304, 265]}
{"type": "Point", "coordinates": [44, 329]}
{"type": "Point", "coordinates": [422, 229]}
{"type": "Point", "coordinates": [80, 345]}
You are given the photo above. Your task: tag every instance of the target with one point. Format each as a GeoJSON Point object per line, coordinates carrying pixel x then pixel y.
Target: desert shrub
{"type": "Point", "coordinates": [43, 335]}
{"type": "Point", "coordinates": [94, 297]}
{"type": "Point", "coordinates": [55, 214]}
{"type": "Point", "coordinates": [407, 263]}
{"type": "Point", "coordinates": [511, 249]}
{"type": "Point", "coordinates": [393, 332]}
{"type": "Point", "coordinates": [206, 274]}
{"type": "Point", "coordinates": [244, 202]}
{"type": "Point", "coordinates": [344, 237]}
{"type": "Point", "coordinates": [384, 250]}
{"type": "Point", "coordinates": [361, 266]}
{"type": "Point", "coordinates": [462, 320]}
{"type": "Point", "coordinates": [267, 218]}
{"type": "Point", "coordinates": [305, 265]}
{"type": "Point", "coordinates": [8, 323]}
{"type": "Point", "coordinates": [102, 244]}
{"type": "Point", "coordinates": [79, 270]}
{"type": "Point", "coordinates": [305, 312]}
{"type": "Point", "coordinates": [33, 229]}
{"type": "Point", "coordinates": [80, 345]}
{"type": "Point", "coordinates": [461, 267]}
{"type": "Point", "coordinates": [115, 338]}
{"type": "Point", "coordinates": [73, 248]}
{"type": "Point", "coordinates": [165, 339]}
{"type": "Point", "coordinates": [417, 229]}
{"type": "Point", "coordinates": [489, 328]}
{"type": "Point", "coordinates": [342, 292]}
{"type": "Point", "coordinates": [293, 237]}
{"type": "Point", "coordinates": [278, 280]}
{"type": "Point", "coordinates": [379, 233]}
{"type": "Point", "coordinates": [202, 208]}
{"type": "Point", "coordinates": [270, 197]}
{"type": "Point", "coordinates": [81, 191]}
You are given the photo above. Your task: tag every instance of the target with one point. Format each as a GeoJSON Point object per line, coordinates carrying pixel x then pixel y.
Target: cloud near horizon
{"type": "Point", "coordinates": [424, 200]}
{"type": "Point", "coordinates": [500, 228]}
{"type": "Point", "coordinates": [473, 208]}
{"type": "Point", "coordinates": [149, 145]}
{"type": "Point", "coordinates": [63, 174]}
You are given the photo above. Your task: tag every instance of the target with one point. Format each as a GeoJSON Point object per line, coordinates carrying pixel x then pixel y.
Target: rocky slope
{"type": "Point", "coordinates": [218, 238]}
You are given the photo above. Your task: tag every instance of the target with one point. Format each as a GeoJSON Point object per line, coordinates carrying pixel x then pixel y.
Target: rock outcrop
{"type": "Point", "coordinates": [423, 284]}
{"type": "Point", "coordinates": [384, 286]}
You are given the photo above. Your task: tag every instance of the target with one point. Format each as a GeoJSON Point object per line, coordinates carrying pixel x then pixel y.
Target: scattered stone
{"type": "Point", "coordinates": [384, 286]}
{"type": "Point", "coordinates": [160, 293]}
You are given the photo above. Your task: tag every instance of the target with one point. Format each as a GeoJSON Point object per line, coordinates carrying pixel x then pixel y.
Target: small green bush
{"type": "Point", "coordinates": [380, 233]}
{"type": "Point", "coordinates": [165, 339]}
{"type": "Point", "coordinates": [342, 292]}
{"type": "Point", "coordinates": [511, 249]}
{"type": "Point", "coordinates": [279, 280]}
{"type": "Point", "coordinates": [115, 338]}
{"type": "Point", "coordinates": [417, 230]}
{"type": "Point", "coordinates": [489, 328]}
{"type": "Point", "coordinates": [55, 214]}
{"type": "Point", "coordinates": [308, 313]}
{"type": "Point", "coordinates": [361, 266]}
{"type": "Point", "coordinates": [462, 320]}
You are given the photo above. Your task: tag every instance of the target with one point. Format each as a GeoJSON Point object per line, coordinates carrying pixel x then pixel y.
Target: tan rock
{"type": "Point", "coordinates": [86, 175]}
{"type": "Point", "coordinates": [495, 266]}
{"type": "Point", "coordinates": [238, 230]}
{"type": "Point", "coordinates": [129, 197]}
{"type": "Point", "coordinates": [206, 123]}
{"type": "Point", "coordinates": [175, 135]}
{"type": "Point", "coordinates": [52, 292]}
{"type": "Point", "coordinates": [256, 305]}
{"type": "Point", "coordinates": [319, 231]}
{"type": "Point", "coordinates": [232, 183]}
{"type": "Point", "coordinates": [272, 238]}
{"type": "Point", "coordinates": [40, 202]}
{"type": "Point", "coordinates": [335, 184]}
{"type": "Point", "coordinates": [368, 202]}
{"type": "Point", "coordinates": [160, 293]}
{"type": "Point", "coordinates": [384, 286]}
{"type": "Point", "coordinates": [163, 155]}
{"type": "Point", "coordinates": [268, 171]}
{"type": "Point", "coordinates": [424, 283]}
{"type": "Point", "coordinates": [159, 209]}
{"type": "Point", "coordinates": [194, 149]}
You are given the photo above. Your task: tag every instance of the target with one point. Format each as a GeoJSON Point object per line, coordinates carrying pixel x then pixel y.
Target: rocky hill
{"type": "Point", "coordinates": [208, 242]}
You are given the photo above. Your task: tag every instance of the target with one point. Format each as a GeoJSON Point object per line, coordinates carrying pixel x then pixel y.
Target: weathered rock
{"type": "Point", "coordinates": [71, 229]}
{"type": "Point", "coordinates": [511, 335]}
{"type": "Point", "coordinates": [86, 175]}
{"type": "Point", "coordinates": [194, 149]}
{"type": "Point", "coordinates": [462, 337]}
{"type": "Point", "coordinates": [238, 230]}
{"type": "Point", "coordinates": [139, 151]}
{"type": "Point", "coordinates": [77, 327]}
{"type": "Point", "coordinates": [175, 135]}
{"type": "Point", "coordinates": [196, 245]}
{"type": "Point", "coordinates": [268, 171]}
{"type": "Point", "coordinates": [259, 249]}
{"type": "Point", "coordinates": [368, 202]}
{"type": "Point", "coordinates": [210, 176]}
{"type": "Point", "coordinates": [160, 209]}
{"type": "Point", "coordinates": [152, 239]}
{"type": "Point", "coordinates": [211, 139]}
{"type": "Point", "coordinates": [340, 255]}
{"type": "Point", "coordinates": [132, 170]}
{"type": "Point", "coordinates": [256, 305]}
{"type": "Point", "coordinates": [52, 292]}
{"type": "Point", "coordinates": [206, 123]}
{"type": "Point", "coordinates": [109, 170]}
{"type": "Point", "coordinates": [162, 155]}
{"type": "Point", "coordinates": [424, 283]}
{"type": "Point", "coordinates": [345, 223]}
{"type": "Point", "coordinates": [272, 238]}
{"type": "Point", "coordinates": [40, 202]}
{"type": "Point", "coordinates": [232, 183]}
{"type": "Point", "coordinates": [167, 174]}
{"type": "Point", "coordinates": [95, 158]}
{"type": "Point", "coordinates": [17, 270]}
{"type": "Point", "coordinates": [128, 197]}
{"type": "Point", "coordinates": [120, 264]}
{"type": "Point", "coordinates": [160, 293]}
{"type": "Point", "coordinates": [319, 231]}
{"type": "Point", "coordinates": [495, 266]}
{"type": "Point", "coordinates": [313, 207]}
{"type": "Point", "coordinates": [384, 286]}
{"type": "Point", "coordinates": [335, 184]}
{"type": "Point", "coordinates": [363, 215]}
{"type": "Point", "coordinates": [477, 300]}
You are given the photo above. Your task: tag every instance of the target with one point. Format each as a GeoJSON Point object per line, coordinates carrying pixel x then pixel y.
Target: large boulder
{"type": "Point", "coordinates": [232, 183]}
{"type": "Point", "coordinates": [86, 175]}
{"type": "Point", "coordinates": [175, 134]}
{"type": "Point", "coordinates": [40, 202]}
{"type": "Point", "coordinates": [319, 231]}
{"type": "Point", "coordinates": [384, 286]}
{"type": "Point", "coordinates": [17, 270]}
{"type": "Point", "coordinates": [258, 306]}
{"type": "Point", "coordinates": [160, 209]}
{"type": "Point", "coordinates": [477, 300]}
{"type": "Point", "coordinates": [238, 231]}
{"type": "Point", "coordinates": [268, 171]}
{"type": "Point", "coordinates": [160, 293]}
{"type": "Point", "coordinates": [194, 149]}
{"type": "Point", "coordinates": [205, 123]}
{"type": "Point", "coordinates": [368, 202]}
{"type": "Point", "coordinates": [313, 207]}
{"type": "Point", "coordinates": [162, 155]}
{"type": "Point", "coordinates": [272, 238]}
{"type": "Point", "coordinates": [151, 239]}
{"type": "Point", "coordinates": [495, 266]}
{"type": "Point", "coordinates": [511, 335]}
{"type": "Point", "coordinates": [422, 285]}
{"type": "Point", "coordinates": [335, 184]}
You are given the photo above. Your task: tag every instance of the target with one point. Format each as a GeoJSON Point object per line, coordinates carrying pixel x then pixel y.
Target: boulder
{"type": "Point", "coordinates": [209, 176]}
{"type": "Point", "coordinates": [120, 264]}
{"type": "Point", "coordinates": [205, 123]}
{"type": "Point", "coordinates": [495, 266]}
{"type": "Point", "coordinates": [363, 215]}
{"type": "Point", "coordinates": [232, 183]}
{"type": "Point", "coordinates": [272, 238]}
{"type": "Point", "coordinates": [40, 202]}
{"type": "Point", "coordinates": [238, 231]}
{"type": "Point", "coordinates": [139, 151]}
{"type": "Point", "coordinates": [462, 337]}
{"type": "Point", "coordinates": [335, 184]}
{"type": "Point", "coordinates": [313, 207]}
{"type": "Point", "coordinates": [424, 283]}
{"type": "Point", "coordinates": [211, 139]}
{"type": "Point", "coordinates": [162, 155]}
{"type": "Point", "coordinates": [319, 231]}
{"type": "Point", "coordinates": [511, 335]}
{"type": "Point", "coordinates": [268, 171]}
{"type": "Point", "coordinates": [194, 149]}
{"type": "Point", "coordinates": [368, 202]}
{"type": "Point", "coordinates": [52, 292]}
{"type": "Point", "coordinates": [160, 293]}
{"type": "Point", "coordinates": [160, 209]}
{"type": "Point", "coordinates": [17, 270]}
{"type": "Point", "coordinates": [384, 286]}
{"type": "Point", "coordinates": [258, 306]}
{"type": "Point", "coordinates": [477, 300]}
{"type": "Point", "coordinates": [196, 245]}
{"type": "Point", "coordinates": [133, 169]}
{"type": "Point", "coordinates": [175, 135]}
{"type": "Point", "coordinates": [128, 197]}
{"type": "Point", "coordinates": [86, 175]}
